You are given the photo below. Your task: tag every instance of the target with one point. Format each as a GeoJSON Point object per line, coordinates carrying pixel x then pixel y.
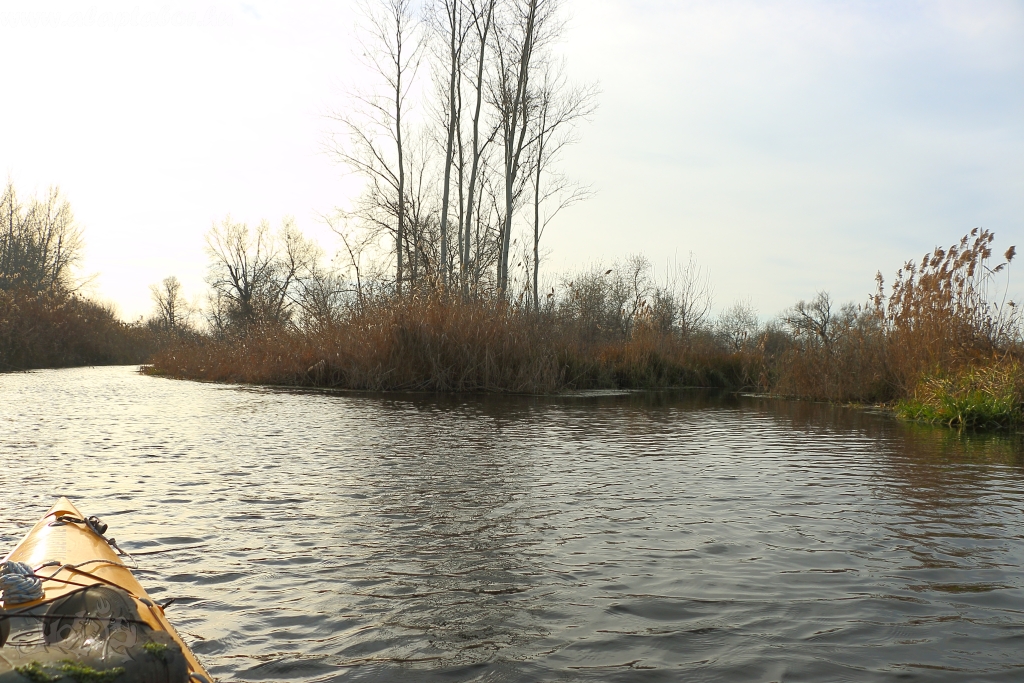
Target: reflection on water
{"type": "Point", "coordinates": [656, 537]}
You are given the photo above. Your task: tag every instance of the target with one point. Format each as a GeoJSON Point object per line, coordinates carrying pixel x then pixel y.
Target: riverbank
{"type": "Point", "coordinates": [52, 329]}
{"type": "Point", "coordinates": [933, 347]}
{"type": "Point", "coordinates": [429, 347]}
{"type": "Point", "coordinates": [447, 344]}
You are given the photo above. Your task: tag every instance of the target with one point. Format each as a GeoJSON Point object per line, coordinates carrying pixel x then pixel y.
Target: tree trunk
{"type": "Point", "coordinates": [400, 237]}
{"type": "Point", "coordinates": [455, 54]}
{"type": "Point", "coordinates": [536, 209]}
{"type": "Point", "coordinates": [515, 137]}
{"type": "Point", "coordinates": [482, 35]}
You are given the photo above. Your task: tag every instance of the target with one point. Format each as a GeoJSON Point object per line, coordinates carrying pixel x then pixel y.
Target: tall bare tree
{"type": "Point", "coordinates": [450, 25]}
{"type": "Point", "coordinates": [499, 124]}
{"type": "Point", "coordinates": [516, 44]}
{"type": "Point", "coordinates": [559, 106]}
{"type": "Point", "coordinates": [482, 18]}
{"type": "Point", "coordinates": [375, 146]}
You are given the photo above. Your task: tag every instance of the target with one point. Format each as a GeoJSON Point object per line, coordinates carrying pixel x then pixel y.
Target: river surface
{"type": "Point", "coordinates": [638, 537]}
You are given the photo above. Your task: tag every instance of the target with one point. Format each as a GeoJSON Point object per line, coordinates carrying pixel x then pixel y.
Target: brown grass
{"type": "Point", "coordinates": [943, 317]}
{"type": "Point", "coordinates": [434, 343]}
{"type": "Point", "coordinates": [50, 330]}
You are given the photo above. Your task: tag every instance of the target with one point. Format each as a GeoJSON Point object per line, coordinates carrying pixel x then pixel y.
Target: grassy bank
{"type": "Point", "coordinates": [989, 396]}
{"type": "Point", "coordinates": [52, 330]}
{"type": "Point", "coordinates": [933, 345]}
{"type": "Point", "coordinates": [437, 343]}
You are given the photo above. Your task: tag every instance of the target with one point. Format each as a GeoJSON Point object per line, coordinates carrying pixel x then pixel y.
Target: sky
{"type": "Point", "coordinates": [791, 146]}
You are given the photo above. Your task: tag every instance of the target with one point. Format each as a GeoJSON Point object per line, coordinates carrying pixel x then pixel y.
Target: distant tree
{"type": "Point", "coordinates": [691, 294]}
{"type": "Point", "coordinates": [738, 325]}
{"type": "Point", "coordinates": [253, 273]}
{"type": "Point", "coordinates": [172, 310]}
{"type": "Point", "coordinates": [819, 320]}
{"type": "Point", "coordinates": [40, 243]}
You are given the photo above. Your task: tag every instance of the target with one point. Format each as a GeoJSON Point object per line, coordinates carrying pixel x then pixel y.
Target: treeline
{"type": "Point", "coordinates": [43, 320]}
{"type": "Point", "coordinates": [941, 342]}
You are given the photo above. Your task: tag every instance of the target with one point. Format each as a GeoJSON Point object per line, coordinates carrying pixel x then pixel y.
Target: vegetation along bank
{"type": "Point", "coordinates": [940, 344]}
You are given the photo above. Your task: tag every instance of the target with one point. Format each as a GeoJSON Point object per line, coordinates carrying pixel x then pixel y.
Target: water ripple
{"type": "Point", "coordinates": [665, 537]}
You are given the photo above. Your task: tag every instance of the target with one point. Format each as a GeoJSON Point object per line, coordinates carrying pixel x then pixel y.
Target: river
{"type": "Point", "coordinates": [607, 537]}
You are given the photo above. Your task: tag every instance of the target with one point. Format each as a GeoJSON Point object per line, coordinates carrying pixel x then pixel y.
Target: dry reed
{"type": "Point", "coordinates": [436, 343]}
{"type": "Point", "coordinates": [944, 324]}
{"type": "Point", "coordinates": [50, 329]}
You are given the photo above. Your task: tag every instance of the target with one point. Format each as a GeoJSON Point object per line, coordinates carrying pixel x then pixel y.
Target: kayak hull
{"type": "Point", "coordinates": [88, 592]}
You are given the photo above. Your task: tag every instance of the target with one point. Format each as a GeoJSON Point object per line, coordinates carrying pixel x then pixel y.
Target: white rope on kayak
{"type": "Point", "coordinates": [18, 583]}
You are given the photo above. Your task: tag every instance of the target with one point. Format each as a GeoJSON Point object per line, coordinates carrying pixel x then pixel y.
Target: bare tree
{"type": "Point", "coordinates": [172, 310]}
{"type": "Point", "coordinates": [690, 289]}
{"type": "Point", "coordinates": [423, 236]}
{"type": "Point", "coordinates": [356, 243]}
{"type": "Point", "coordinates": [392, 50]}
{"type": "Point", "coordinates": [486, 58]}
{"type": "Point", "coordinates": [819, 320]}
{"type": "Point", "coordinates": [450, 25]}
{"type": "Point", "coordinates": [738, 325]}
{"type": "Point", "coordinates": [319, 295]}
{"type": "Point", "coordinates": [516, 43]}
{"type": "Point", "coordinates": [482, 18]}
{"type": "Point", "coordinates": [558, 108]}
{"type": "Point", "coordinates": [40, 243]}
{"type": "Point", "coordinates": [253, 272]}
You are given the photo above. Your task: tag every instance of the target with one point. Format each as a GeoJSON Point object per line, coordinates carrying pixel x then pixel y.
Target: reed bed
{"type": "Point", "coordinates": [51, 329]}
{"type": "Point", "coordinates": [942, 345]}
{"type": "Point", "coordinates": [938, 345]}
{"type": "Point", "coordinates": [445, 344]}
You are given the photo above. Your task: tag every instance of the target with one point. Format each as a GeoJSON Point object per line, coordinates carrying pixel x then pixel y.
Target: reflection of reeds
{"type": "Point", "coordinates": [52, 329]}
{"type": "Point", "coordinates": [435, 343]}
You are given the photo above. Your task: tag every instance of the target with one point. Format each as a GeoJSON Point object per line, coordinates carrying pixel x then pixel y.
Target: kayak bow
{"type": "Point", "coordinates": [93, 616]}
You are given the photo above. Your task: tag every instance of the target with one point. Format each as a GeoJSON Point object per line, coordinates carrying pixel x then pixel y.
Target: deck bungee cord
{"type": "Point", "coordinates": [94, 524]}
{"type": "Point", "coordinates": [71, 604]}
{"type": "Point", "coordinates": [21, 583]}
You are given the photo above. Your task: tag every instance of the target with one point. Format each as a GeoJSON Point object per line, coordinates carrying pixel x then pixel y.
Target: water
{"type": "Point", "coordinates": [311, 537]}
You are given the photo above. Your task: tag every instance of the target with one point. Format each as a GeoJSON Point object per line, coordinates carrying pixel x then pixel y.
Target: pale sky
{"type": "Point", "coordinates": [791, 146]}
